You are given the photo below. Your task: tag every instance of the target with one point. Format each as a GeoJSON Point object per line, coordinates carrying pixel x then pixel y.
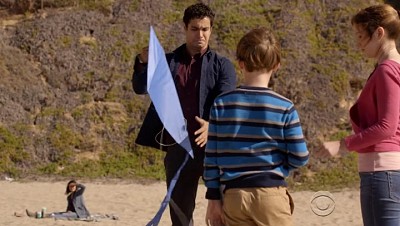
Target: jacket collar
{"type": "Point", "coordinates": [182, 49]}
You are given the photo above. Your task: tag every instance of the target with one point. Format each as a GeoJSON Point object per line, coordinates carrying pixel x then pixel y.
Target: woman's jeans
{"type": "Point", "coordinates": [380, 198]}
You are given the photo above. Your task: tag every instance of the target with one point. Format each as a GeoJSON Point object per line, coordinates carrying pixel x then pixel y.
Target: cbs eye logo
{"type": "Point", "coordinates": [322, 203]}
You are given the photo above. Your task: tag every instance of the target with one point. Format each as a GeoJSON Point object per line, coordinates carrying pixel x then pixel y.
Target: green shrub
{"type": "Point", "coordinates": [64, 141]}
{"type": "Point", "coordinates": [114, 164]}
{"type": "Point", "coordinates": [12, 153]}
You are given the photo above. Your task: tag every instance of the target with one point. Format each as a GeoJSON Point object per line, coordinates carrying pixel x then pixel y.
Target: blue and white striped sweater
{"type": "Point", "coordinates": [252, 131]}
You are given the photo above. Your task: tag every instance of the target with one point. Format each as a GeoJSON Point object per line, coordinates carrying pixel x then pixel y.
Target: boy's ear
{"type": "Point", "coordinates": [276, 67]}
{"type": "Point", "coordinates": [241, 64]}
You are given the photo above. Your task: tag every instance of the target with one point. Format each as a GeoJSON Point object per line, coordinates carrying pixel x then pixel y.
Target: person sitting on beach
{"type": "Point", "coordinates": [76, 208]}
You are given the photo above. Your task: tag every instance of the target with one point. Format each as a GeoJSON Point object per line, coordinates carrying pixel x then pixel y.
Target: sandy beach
{"type": "Point", "coordinates": [135, 204]}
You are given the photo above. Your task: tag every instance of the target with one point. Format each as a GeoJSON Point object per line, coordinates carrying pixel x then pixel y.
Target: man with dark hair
{"type": "Point", "coordinates": [200, 75]}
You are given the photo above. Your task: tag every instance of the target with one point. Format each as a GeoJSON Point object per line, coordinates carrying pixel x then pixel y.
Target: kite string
{"type": "Point", "coordinates": [161, 135]}
{"type": "Point", "coordinates": [156, 220]}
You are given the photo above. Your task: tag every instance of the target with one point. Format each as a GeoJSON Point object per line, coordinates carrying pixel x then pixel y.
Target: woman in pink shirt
{"type": "Point", "coordinates": [375, 118]}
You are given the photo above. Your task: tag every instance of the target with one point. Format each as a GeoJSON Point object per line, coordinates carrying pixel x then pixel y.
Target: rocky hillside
{"type": "Point", "coordinates": [67, 105]}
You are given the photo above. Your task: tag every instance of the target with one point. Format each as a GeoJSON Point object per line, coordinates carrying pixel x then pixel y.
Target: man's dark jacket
{"type": "Point", "coordinates": [217, 76]}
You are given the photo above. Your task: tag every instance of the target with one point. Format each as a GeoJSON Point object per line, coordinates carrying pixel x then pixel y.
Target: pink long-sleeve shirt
{"type": "Point", "coordinates": [375, 116]}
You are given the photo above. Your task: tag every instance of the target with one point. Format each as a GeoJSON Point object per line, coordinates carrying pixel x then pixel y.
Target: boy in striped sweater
{"type": "Point", "coordinates": [255, 139]}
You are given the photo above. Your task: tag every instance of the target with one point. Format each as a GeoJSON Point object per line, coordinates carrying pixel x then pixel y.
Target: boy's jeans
{"type": "Point", "coordinates": [380, 198]}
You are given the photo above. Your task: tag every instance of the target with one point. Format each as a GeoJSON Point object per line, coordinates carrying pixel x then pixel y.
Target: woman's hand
{"type": "Point", "coordinates": [331, 149]}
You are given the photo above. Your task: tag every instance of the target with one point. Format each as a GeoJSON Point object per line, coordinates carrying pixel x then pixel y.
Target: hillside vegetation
{"type": "Point", "coordinates": [67, 105]}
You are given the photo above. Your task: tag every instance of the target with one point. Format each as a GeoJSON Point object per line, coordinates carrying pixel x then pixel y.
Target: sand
{"type": "Point", "coordinates": [135, 204]}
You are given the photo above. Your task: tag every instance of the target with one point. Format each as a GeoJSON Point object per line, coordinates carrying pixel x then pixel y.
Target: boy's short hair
{"type": "Point", "coordinates": [198, 11]}
{"type": "Point", "coordinates": [259, 50]}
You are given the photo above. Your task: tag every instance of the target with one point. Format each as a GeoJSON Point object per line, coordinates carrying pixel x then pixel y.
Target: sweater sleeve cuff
{"type": "Point", "coordinates": [213, 193]}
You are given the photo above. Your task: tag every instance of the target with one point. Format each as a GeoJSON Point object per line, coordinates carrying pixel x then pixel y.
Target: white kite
{"type": "Point", "coordinates": [163, 94]}
{"type": "Point", "coordinates": [162, 91]}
